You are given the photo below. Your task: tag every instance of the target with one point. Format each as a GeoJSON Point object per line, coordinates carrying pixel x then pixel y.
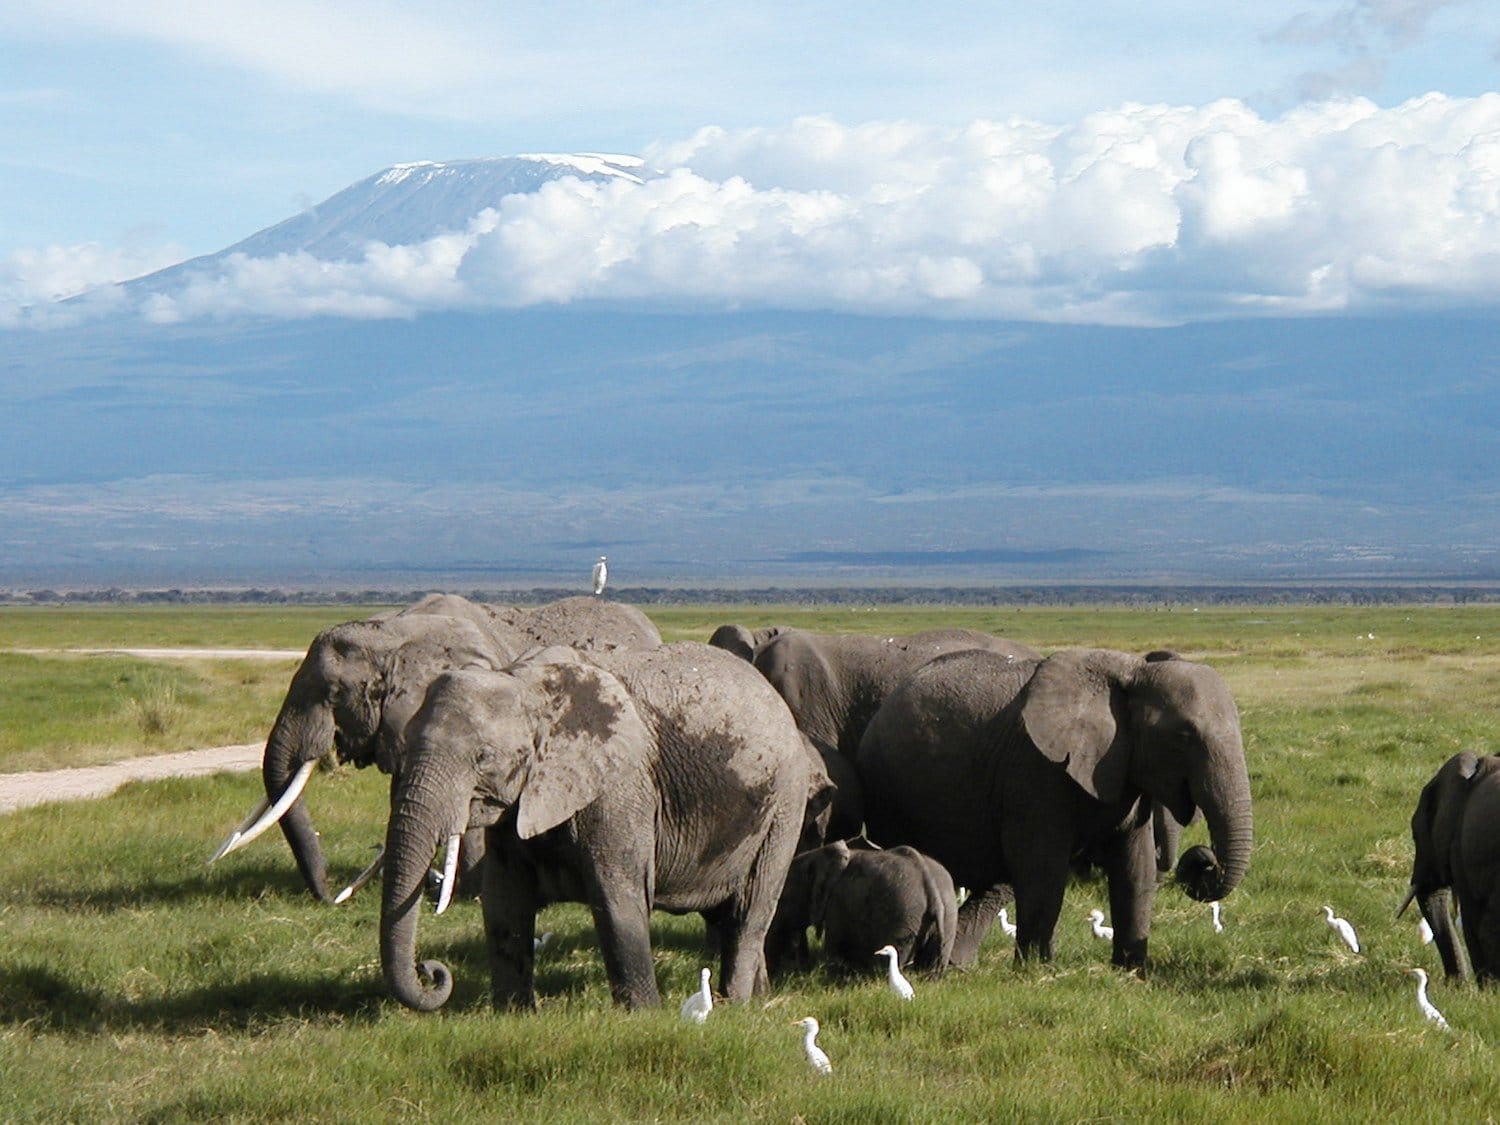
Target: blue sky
{"type": "Point", "coordinates": [179, 122]}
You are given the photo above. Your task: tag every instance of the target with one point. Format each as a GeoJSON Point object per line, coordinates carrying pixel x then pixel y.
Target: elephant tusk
{"type": "Point", "coordinates": [229, 840]}
{"type": "Point", "coordinates": [362, 878]}
{"type": "Point", "coordinates": [450, 874]}
{"type": "Point", "coordinates": [275, 812]}
{"type": "Point", "coordinates": [1411, 893]}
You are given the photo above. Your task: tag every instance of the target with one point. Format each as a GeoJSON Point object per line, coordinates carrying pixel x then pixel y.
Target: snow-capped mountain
{"type": "Point", "coordinates": [408, 203]}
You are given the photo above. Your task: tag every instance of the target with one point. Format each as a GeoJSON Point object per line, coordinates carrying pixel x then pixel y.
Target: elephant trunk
{"type": "Point", "coordinates": [1223, 793]}
{"type": "Point", "coordinates": [1437, 908]}
{"type": "Point", "coordinates": [426, 808]}
{"type": "Point", "coordinates": [302, 733]}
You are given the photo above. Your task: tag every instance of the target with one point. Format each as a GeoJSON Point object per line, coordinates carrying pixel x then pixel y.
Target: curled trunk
{"type": "Point", "coordinates": [416, 828]}
{"type": "Point", "coordinates": [1211, 874]}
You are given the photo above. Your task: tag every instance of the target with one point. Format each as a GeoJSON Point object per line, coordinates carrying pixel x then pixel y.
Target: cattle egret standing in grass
{"type": "Point", "coordinates": [899, 984]}
{"type": "Point", "coordinates": [815, 1056]}
{"type": "Point", "coordinates": [1342, 927]}
{"type": "Point", "coordinates": [600, 576]}
{"type": "Point", "coordinates": [1218, 918]}
{"type": "Point", "coordinates": [1425, 1004]}
{"type": "Point", "coordinates": [1006, 925]}
{"type": "Point", "coordinates": [1096, 921]}
{"type": "Point", "coordinates": [697, 1006]}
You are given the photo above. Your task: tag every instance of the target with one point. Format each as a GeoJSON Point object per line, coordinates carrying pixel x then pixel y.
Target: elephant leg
{"type": "Point", "coordinates": [975, 917]}
{"type": "Point", "coordinates": [509, 900]}
{"type": "Point", "coordinates": [1482, 936]}
{"type": "Point", "coordinates": [1040, 880]}
{"type": "Point", "coordinates": [1131, 867]}
{"type": "Point", "coordinates": [622, 919]}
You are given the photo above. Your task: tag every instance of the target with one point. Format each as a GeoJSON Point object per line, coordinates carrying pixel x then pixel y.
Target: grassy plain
{"type": "Point", "coordinates": [138, 984]}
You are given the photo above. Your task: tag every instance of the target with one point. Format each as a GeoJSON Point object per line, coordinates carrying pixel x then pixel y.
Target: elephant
{"type": "Point", "coordinates": [833, 682]}
{"type": "Point", "coordinates": [1456, 833]}
{"type": "Point", "coordinates": [743, 642]}
{"type": "Point", "coordinates": [1006, 771]}
{"type": "Point", "coordinates": [361, 681]}
{"type": "Point", "coordinates": [862, 898]}
{"type": "Point", "coordinates": [630, 780]}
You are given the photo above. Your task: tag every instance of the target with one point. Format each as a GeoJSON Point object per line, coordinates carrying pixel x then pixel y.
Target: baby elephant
{"type": "Point", "coordinates": [861, 897]}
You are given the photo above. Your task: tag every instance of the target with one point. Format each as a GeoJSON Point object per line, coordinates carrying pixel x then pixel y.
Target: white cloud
{"type": "Point", "coordinates": [1140, 214]}
{"type": "Point", "coordinates": [54, 273]}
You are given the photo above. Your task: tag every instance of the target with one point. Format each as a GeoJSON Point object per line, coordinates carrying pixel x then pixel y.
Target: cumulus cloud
{"type": "Point", "coordinates": [1141, 214]}
{"type": "Point", "coordinates": [37, 278]}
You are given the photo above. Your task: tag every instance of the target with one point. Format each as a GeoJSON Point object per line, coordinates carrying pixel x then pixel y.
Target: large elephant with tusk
{"type": "Point", "coordinates": [362, 681]}
{"type": "Point", "coordinates": [670, 778]}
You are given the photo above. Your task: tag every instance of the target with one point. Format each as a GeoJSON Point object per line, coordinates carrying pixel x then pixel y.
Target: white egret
{"type": "Point", "coordinates": [1425, 931]}
{"type": "Point", "coordinates": [600, 575]}
{"type": "Point", "coordinates": [1006, 925]}
{"type": "Point", "coordinates": [816, 1058]}
{"type": "Point", "coordinates": [1096, 921]}
{"type": "Point", "coordinates": [1218, 917]}
{"type": "Point", "coordinates": [697, 1006]}
{"type": "Point", "coordinates": [899, 984]}
{"type": "Point", "coordinates": [1342, 927]}
{"type": "Point", "coordinates": [1428, 1008]}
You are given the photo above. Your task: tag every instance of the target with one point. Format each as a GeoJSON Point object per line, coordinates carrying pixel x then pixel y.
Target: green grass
{"type": "Point", "coordinates": [138, 984]}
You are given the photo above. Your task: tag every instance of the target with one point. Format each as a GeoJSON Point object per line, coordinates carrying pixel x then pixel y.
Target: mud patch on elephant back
{"type": "Point", "coordinates": [589, 706]}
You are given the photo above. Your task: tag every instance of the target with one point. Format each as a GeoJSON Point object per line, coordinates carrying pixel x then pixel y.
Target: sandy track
{"type": "Point", "coordinates": [171, 653]}
{"type": "Point", "coordinates": [22, 790]}
{"type": "Point", "coordinates": [41, 787]}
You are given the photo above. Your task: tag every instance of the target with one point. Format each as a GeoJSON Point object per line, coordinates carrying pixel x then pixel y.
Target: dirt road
{"type": "Point", "coordinates": [22, 790]}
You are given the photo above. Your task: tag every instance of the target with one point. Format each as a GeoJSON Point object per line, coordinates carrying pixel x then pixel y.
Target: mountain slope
{"type": "Point", "coordinates": [402, 205]}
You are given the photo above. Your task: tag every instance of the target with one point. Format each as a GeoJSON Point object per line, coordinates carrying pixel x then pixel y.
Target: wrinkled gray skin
{"type": "Point", "coordinates": [1456, 831]}
{"type": "Point", "coordinates": [833, 683]}
{"type": "Point", "coordinates": [361, 681]}
{"type": "Point", "coordinates": [1004, 772]}
{"type": "Point", "coordinates": [670, 778]}
{"type": "Point", "coordinates": [861, 898]}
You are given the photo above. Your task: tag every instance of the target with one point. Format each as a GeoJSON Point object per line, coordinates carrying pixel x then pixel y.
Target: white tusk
{"type": "Point", "coordinates": [240, 831]}
{"type": "Point", "coordinates": [278, 810]}
{"type": "Point", "coordinates": [362, 878]}
{"type": "Point", "coordinates": [450, 874]}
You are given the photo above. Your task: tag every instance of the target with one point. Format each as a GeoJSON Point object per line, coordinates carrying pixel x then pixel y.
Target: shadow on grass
{"type": "Point", "coordinates": [241, 883]}
{"type": "Point", "coordinates": [41, 998]}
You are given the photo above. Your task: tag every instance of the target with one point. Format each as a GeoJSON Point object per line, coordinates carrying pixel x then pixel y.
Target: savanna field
{"type": "Point", "coordinates": [137, 983]}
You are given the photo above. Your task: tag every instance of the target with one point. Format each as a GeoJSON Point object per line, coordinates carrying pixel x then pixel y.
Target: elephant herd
{"type": "Point", "coordinates": [774, 781]}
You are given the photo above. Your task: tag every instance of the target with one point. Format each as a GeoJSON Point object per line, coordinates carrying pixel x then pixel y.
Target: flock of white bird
{"type": "Point", "coordinates": [698, 1005]}
{"type": "Point", "coordinates": [695, 1008]}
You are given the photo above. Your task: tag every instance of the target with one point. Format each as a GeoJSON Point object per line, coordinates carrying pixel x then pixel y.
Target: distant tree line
{"type": "Point", "coordinates": [1165, 597]}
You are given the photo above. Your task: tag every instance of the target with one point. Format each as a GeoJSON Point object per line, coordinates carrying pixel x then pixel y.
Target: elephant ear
{"type": "Point", "coordinates": [1074, 711]}
{"type": "Point", "coordinates": [590, 730]}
